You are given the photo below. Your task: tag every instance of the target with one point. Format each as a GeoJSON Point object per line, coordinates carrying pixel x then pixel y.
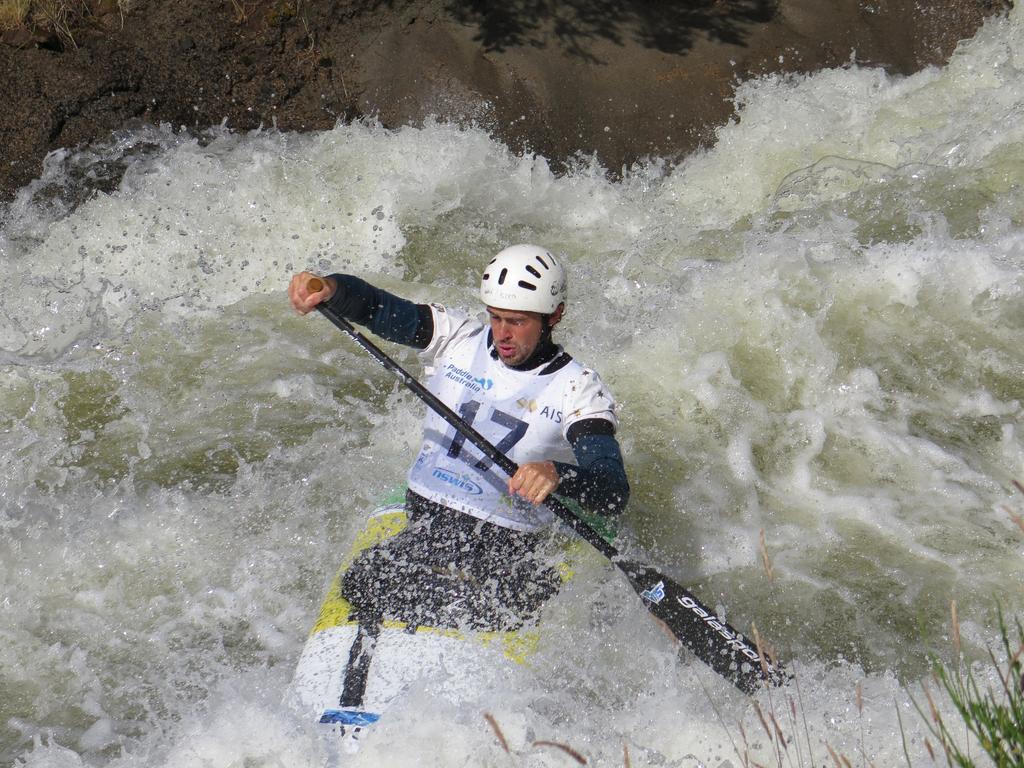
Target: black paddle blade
{"type": "Point", "coordinates": [697, 627]}
{"type": "Point", "coordinates": [713, 641]}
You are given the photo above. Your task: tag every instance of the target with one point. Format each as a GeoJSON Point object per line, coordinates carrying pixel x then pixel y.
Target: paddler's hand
{"type": "Point", "coordinates": [534, 481]}
{"type": "Point", "coordinates": [305, 296]}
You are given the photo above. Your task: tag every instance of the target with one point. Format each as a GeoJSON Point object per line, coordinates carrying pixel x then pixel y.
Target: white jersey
{"type": "Point", "coordinates": [525, 414]}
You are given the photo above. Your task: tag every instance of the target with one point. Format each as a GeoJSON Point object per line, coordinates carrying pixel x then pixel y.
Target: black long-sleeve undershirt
{"type": "Point", "coordinates": [597, 481]}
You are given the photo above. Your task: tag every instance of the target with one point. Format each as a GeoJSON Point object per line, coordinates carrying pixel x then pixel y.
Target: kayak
{"type": "Point", "coordinates": [350, 671]}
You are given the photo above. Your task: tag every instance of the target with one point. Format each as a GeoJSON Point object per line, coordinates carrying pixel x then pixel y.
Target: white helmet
{"type": "Point", "coordinates": [525, 278]}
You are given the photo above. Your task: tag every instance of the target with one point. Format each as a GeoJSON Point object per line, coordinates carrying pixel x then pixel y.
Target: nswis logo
{"type": "Point", "coordinates": [456, 480]}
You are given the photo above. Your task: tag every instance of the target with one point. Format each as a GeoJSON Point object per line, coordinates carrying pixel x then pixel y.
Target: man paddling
{"type": "Point", "coordinates": [469, 556]}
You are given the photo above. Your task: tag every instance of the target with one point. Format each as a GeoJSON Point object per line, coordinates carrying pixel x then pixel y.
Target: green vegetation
{"type": "Point", "coordinates": [995, 718]}
{"type": "Point", "coordinates": [988, 722]}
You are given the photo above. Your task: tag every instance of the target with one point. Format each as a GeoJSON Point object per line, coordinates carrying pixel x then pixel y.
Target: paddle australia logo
{"type": "Point", "coordinates": [733, 640]}
{"type": "Point", "coordinates": [655, 594]}
{"type": "Point", "coordinates": [456, 480]}
{"type": "Point", "coordinates": [467, 379]}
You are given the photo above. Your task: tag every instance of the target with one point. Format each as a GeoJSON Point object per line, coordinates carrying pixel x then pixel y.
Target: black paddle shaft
{"type": "Point", "coordinates": [710, 638]}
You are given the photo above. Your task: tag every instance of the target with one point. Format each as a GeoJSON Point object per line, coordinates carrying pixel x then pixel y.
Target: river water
{"type": "Point", "coordinates": [813, 328]}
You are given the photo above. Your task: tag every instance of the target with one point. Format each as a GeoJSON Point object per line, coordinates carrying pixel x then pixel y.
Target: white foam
{"type": "Point", "coordinates": [812, 328]}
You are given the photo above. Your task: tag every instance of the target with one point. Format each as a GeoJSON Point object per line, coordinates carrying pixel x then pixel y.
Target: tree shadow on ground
{"type": "Point", "coordinates": [670, 26]}
{"type": "Point", "coordinates": [665, 25]}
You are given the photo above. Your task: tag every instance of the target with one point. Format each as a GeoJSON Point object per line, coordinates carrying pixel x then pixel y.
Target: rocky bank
{"type": "Point", "coordinates": [622, 80]}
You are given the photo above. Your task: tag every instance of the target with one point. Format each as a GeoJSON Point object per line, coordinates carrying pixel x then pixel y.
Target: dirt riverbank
{"type": "Point", "coordinates": [622, 80]}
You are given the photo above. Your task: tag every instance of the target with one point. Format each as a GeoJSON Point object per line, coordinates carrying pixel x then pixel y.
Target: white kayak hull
{"type": "Point", "coordinates": [348, 675]}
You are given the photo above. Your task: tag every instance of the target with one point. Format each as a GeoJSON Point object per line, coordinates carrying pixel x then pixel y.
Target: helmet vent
{"type": "Point", "coordinates": [527, 286]}
{"type": "Point", "coordinates": [542, 262]}
{"type": "Point", "coordinates": [502, 276]}
{"type": "Point", "coordinates": [533, 271]}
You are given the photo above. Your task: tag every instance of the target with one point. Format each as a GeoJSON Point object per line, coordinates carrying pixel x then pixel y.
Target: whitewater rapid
{"type": "Point", "coordinates": [813, 329]}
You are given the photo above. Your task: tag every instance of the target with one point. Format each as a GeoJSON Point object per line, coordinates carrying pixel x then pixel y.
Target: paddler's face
{"type": "Point", "coordinates": [517, 334]}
